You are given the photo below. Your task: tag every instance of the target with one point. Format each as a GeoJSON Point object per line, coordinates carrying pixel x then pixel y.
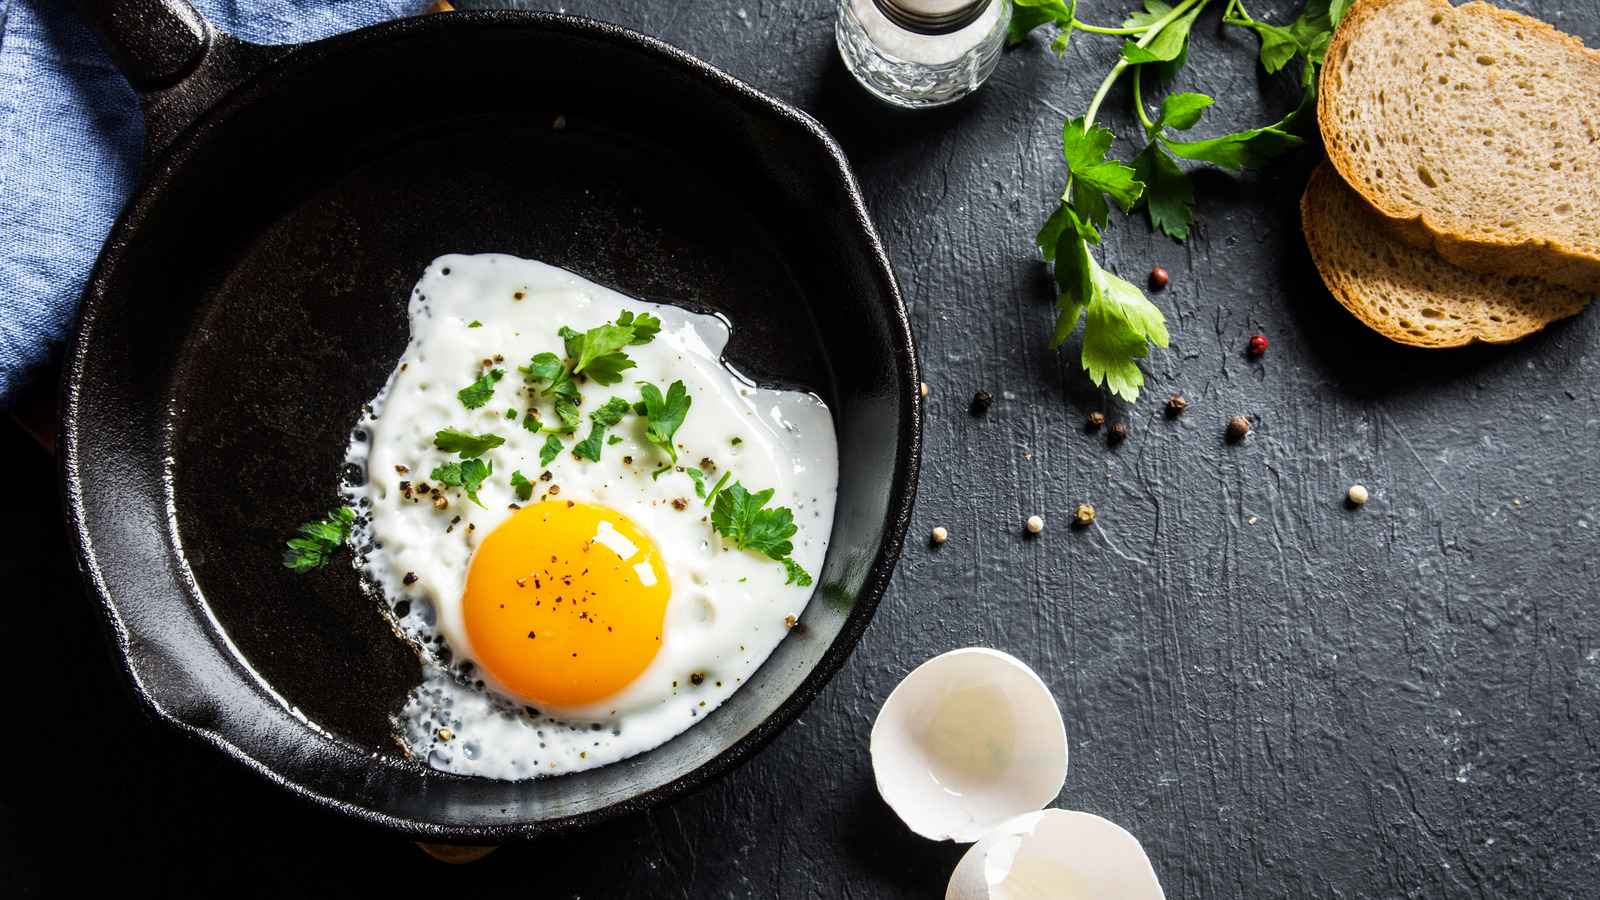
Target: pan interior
{"type": "Point", "coordinates": [309, 321]}
{"type": "Point", "coordinates": [255, 296]}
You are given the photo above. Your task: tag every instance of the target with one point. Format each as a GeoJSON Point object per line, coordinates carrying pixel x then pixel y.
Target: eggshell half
{"type": "Point", "coordinates": [1058, 855]}
{"type": "Point", "coordinates": [968, 740]}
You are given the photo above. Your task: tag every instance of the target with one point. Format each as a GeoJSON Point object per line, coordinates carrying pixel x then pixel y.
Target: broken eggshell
{"type": "Point", "coordinates": [969, 739]}
{"type": "Point", "coordinates": [1056, 854]}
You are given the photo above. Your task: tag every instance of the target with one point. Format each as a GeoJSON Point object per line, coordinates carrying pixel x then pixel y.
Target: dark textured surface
{"type": "Point", "coordinates": [1281, 696]}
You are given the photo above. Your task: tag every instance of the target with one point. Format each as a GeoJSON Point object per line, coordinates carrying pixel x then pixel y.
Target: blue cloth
{"type": "Point", "coordinates": [70, 147]}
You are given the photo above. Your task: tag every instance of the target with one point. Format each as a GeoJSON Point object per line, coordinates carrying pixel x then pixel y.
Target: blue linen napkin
{"type": "Point", "coordinates": [70, 147]}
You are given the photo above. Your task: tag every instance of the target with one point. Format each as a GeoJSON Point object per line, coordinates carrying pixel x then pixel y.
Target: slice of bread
{"type": "Point", "coordinates": [1411, 295]}
{"type": "Point", "coordinates": [1473, 131]}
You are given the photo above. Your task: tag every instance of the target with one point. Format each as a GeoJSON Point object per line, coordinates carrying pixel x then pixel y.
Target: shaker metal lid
{"type": "Point", "coordinates": [932, 16]}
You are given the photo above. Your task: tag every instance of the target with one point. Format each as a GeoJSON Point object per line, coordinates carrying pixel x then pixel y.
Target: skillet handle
{"type": "Point", "coordinates": [177, 62]}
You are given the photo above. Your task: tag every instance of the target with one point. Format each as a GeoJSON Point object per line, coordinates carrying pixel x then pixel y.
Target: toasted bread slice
{"type": "Point", "coordinates": [1411, 295]}
{"type": "Point", "coordinates": [1473, 131]}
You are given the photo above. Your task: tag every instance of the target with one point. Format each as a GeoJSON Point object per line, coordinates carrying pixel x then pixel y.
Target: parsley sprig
{"type": "Point", "coordinates": [742, 518]}
{"type": "Point", "coordinates": [606, 416]}
{"type": "Point", "coordinates": [1120, 324]}
{"type": "Point", "coordinates": [469, 475]}
{"type": "Point", "coordinates": [476, 394]}
{"type": "Point", "coordinates": [664, 412]}
{"type": "Point", "coordinates": [318, 540]}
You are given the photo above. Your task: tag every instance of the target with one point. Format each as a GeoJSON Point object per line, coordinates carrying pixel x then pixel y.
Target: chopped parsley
{"type": "Point", "coordinates": [474, 324]}
{"type": "Point", "coordinates": [603, 418]}
{"type": "Point", "coordinates": [737, 441]}
{"type": "Point", "coordinates": [550, 450]}
{"type": "Point", "coordinates": [478, 393]}
{"type": "Point", "coordinates": [318, 540]}
{"type": "Point", "coordinates": [614, 439]}
{"type": "Point", "coordinates": [511, 414]}
{"type": "Point", "coordinates": [466, 446]}
{"type": "Point", "coordinates": [523, 486]}
{"type": "Point", "coordinates": [740, 516]}
{"type": "Point", "coordinates": [645, 326]}
{"type": "Point", "coordinates": [469, 475]}
{"type": "Point", "coordinates": [665, 413]}
{"type": "Point", "coordinates": [699, 482]}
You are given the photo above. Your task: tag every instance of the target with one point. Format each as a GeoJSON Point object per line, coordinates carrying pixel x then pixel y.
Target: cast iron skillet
{"type": "Point", "coordinates": [253, 296]}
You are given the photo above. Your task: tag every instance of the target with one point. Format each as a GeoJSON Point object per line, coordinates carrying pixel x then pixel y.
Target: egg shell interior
{"type": "Point", "coordinates": [1059, 855]}
{"type": "Point", "coordinates": [968, 740]}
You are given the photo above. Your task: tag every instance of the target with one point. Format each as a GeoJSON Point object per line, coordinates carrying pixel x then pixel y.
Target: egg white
{"type": "Point", "coordinates": [728, 608]}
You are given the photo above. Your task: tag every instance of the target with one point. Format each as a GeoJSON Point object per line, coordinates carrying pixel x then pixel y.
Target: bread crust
{"type": "Point", "coordinates": [1548, 259]}
{"type": "Point", "coordinates": [1356, 288]}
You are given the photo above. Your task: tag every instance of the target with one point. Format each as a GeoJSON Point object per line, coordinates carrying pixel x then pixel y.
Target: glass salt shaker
{"type": "Point", "coordinates": [922, 53]}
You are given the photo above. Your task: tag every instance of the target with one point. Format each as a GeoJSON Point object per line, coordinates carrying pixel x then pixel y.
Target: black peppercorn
{"type": "Point", "coordinates": [980, 402]}
{"type": "Point", "coordinates": [1096, 419]}
{"type": "Point", "coordinates": [1119, 431]}
{"type": "Point", "coordinates": [1176, 405]}
{"type": "Point", "coordinates": [1238, 427]}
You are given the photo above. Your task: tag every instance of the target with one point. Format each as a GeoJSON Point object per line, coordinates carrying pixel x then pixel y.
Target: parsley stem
{"type": "Point", "coordinates": [1138, 104]}
{"type": "Point", "coordinates": [1155, 30]}
{"type": "Point", "coordinates": [1095, 29]}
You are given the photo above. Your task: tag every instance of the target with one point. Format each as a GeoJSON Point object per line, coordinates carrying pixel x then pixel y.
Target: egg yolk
{"type": "Point", "coordinates": [565, 602]}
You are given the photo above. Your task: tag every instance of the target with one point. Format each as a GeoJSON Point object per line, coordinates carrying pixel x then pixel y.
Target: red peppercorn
{"type": "Point", "coordinates": [1258, 344]}
{"type": "Point", "coordinates": [1158, 278]}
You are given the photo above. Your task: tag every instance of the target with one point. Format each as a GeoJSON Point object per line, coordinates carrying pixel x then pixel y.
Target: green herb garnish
{"type": "Point", "coordinates": [464, 445]}
{"type": "Point", "coordinates": [1119, 323]}
{"type": "Point", "coordinates": [740, 516]}
{"type": "Point", "coordinates": [523, 486]}
{"type": "Point", "coordinates": [665, 413]}
{"type": "Point", "coordinates": [603, 418]}
{"type": "Point", "coordinates": [474, 324]}
{"type": "Point", "coordinates": [318, 540]}
{"type": "Point", "coordinates": [469, 475]}
{"type": "Point", "coordinates": [478, 393]}
{"type": "Point", "coordinates": [550, 450]}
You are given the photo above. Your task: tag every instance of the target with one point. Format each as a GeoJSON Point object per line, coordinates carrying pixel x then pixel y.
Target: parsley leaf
{"type": "Point", "coordinates": [547, 366]}
{"type": "Point", "coordinates": [1245, 150]}
{"type": "Point", "coordinates": [613, 440]}
{"type": "Point", "coordinates": [1168, 193]}
{"type": "Point", "coordinates": [1093, 175]}
{"type": "Point", "coordinates": [478, 393]}
{"type": "Point", "coordinates": [611, 413]}
{"type": "Point", "coordinates": [523, 486]}
{"type": "Point", "coordinates": [603, 418]}
{"type": "Point", "coordinates": [699, 482]}
{"type": "Point", "coordinates": [1119, 323]}
{"type": "Point", "coordinates": [797, 575]}
{"type": "Point", "coordinates": [645, 326]}
{"type": "Point", "coordinates": [1026, 15]}
{"type": "Point", "coordinates": [1170, 48]}
{"type": "Point", "coordinates": [318, 540]}
{"type": "Point", "coordinates": [466, 446]}
{"type": "Point", "coordinates": [469, 475]}
{"type": "Point", "coordinates": [550, 450]}
{"type": "Point", "coordinates": [738, 515]}
{"type": "Point", "coordinates": [474, 324]}
{"type": "Point", "coordinates": [598, 352]}
{"type": "Point", "coordinates": [1181, 111]}
{"type": "Point", "coordinates": [664, 413]}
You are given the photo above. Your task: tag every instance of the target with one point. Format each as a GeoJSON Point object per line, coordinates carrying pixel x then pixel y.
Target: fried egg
{"type": "Point", "coordinates": [603, 613]}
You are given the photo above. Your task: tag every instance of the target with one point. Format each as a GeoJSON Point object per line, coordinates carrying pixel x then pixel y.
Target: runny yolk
{"type": "Point", "coordinates": [565, 602]}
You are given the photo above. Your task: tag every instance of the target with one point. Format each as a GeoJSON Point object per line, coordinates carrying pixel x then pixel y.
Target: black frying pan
{"type": "Point", "coordinates": [253, 296]}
